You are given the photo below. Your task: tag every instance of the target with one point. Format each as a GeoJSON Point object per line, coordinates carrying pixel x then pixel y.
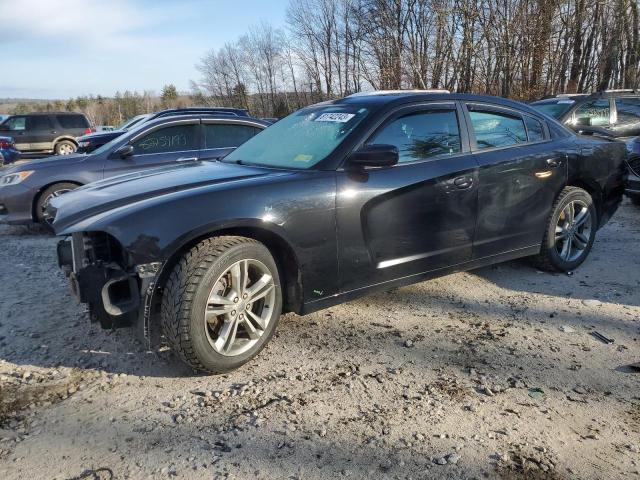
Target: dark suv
{"type": "Point", "coordinates": [614, 113]}
{"type": "Point", "coordinates": [88, 143]}
{"type": "Point", "coordinates": [54, 132]}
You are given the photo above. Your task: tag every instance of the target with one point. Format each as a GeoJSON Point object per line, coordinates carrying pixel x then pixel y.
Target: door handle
{"type": "Point", "coordinates": [187, 159]}
{"type": "Point", "coordinates": [463, 182]}
{"type": "Point", "coordinates": [553, 162]}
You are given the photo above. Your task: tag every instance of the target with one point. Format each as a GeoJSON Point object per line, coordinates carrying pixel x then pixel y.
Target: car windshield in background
{"type": "Point", "coordinates": [554, 108]}
{"type": "Point", "coordinates": [302, 139]}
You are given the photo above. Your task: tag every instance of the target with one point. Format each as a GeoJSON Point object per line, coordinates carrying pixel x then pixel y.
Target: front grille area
{"type": "Point", "coordinates": [634, 165]}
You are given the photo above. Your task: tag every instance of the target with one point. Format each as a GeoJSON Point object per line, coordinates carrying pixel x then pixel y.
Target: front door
{"type": "Point", "coordinates": [416, 216]}
{"type": "Point", "coordinates": [522, 170]}
{"type": "Point", "coordinates": [158, 146]}
{"type": "Point", "coordinates": [18, 131]}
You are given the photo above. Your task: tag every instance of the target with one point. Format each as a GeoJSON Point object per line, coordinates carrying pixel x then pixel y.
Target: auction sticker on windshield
{"type": "Point", "coordinates": [335, 117]}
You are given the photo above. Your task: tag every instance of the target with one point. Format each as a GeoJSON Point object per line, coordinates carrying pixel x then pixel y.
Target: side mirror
{"type": "Point", "coordinates": [375, 156]}
{"type": "Point", "coordinates": [4, 128]}
{"type": "Point", "coordinates": [583, 121]}
{"type": "Point", "coordinates": [124, 151]}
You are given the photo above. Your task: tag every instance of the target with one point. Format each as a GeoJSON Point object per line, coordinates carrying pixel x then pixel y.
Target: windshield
{"type": "Point", "coordinates": [132, 121]}
{"type": "Point", "coordinates": [554, 108]}
{"type": "Point", "coordinates": [107, 146]}
{"type": "Point", "coordinates": [300, 140]}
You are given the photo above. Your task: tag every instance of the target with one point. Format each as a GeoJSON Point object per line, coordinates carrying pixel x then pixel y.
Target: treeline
{"type": "Point", "coordinates": [110, 111]}
{"type": "Point", "coordinates": [522, 49]}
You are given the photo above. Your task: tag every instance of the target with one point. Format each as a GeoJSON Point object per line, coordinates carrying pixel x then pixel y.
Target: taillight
{"type": "Point", "coordinates": [87, 131]}
{"type": "Point", "coordinates": [5, 144]}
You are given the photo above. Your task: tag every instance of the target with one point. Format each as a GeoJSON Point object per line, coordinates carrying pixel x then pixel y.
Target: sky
{"type": "Point", "coordinates": [58, 49]}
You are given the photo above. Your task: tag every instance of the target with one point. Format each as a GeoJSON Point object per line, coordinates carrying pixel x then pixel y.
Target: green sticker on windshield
{"type": "Point", "coordinates": [303, 158]}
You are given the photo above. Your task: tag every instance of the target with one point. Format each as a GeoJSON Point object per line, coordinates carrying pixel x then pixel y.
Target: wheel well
{"type": "Point", "coordinates": [36, 197]}
{"type": "Point", "coordinates": [283, 254]}
{"type": "Point", "coordinates": [68, 139]}
{"type": "Point", "coordinates": [592, 189]}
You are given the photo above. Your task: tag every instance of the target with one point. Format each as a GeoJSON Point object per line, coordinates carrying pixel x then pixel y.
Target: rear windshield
{"type": "Point", "coordinates": [72, 121]}
{"type": "Point", "coordinates": [554, 108]}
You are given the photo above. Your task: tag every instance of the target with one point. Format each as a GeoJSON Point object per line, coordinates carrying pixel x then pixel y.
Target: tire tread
{"type": "Point", "coordinates": [181, 287]}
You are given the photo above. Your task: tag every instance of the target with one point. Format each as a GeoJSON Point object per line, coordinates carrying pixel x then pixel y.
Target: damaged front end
{"type": "Point", "coordinates": [101, 274]}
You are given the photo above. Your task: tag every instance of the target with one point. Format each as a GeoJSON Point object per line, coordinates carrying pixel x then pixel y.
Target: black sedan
{"type": "Point", "coordinates": [25, 190]}
{"type": "Point", "coordinates": [335, 201]}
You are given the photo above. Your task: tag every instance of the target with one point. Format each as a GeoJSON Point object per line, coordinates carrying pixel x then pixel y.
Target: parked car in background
{"type": "Point", "coordinates": [25, 190]}
{"type": "Point", "coordinates": [612, 113]}
{"type": "Point", "coordinates": [51, 132]}
{"type": "Point", "coordinates": [8, 151]}
{"type": "Point", "coordinates": [88, 143]}
{"type": "Point", "coordinates": [335, 201]}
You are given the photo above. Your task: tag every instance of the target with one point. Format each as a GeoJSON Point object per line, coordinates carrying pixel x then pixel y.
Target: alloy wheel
{"type": "Point", "coordinates": [240, 307]}
{"type": "Point", "coordinates": [573, 231]}
{"type": "Point", "coordinates": [65, 149]}
{"type": "Point", "coordinates": [46, 216]}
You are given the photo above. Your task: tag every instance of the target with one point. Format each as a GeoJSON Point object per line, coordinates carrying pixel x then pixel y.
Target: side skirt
{"type": "Point", "coordinates": [343, 297]}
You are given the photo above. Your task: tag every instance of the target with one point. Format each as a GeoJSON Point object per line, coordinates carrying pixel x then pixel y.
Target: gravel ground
{"type": "Point", "coordinates": [487, 374]}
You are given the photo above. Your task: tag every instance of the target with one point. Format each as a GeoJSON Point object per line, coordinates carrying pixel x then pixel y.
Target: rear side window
{"type": "Point", "coordinates": [595, 112]}
{"type": "Point", "coordinates": [39, 122]}
{"type": "Point", "coordinates": [535, 131]}
{"type": "Point", "coordinates": [496, 129]}
{"type": "Point", "coordinates": [17, 123]}
{"type": "Point", "coordinates": [227, 136]}
{"type": "Point", "coordinates": [422, 135]}
{"type": "Point", "coordinates": [628, 109]}
{"type": "Point", "coordinates": [72, 121]}
{"type": "Point", "coordinates": [170, 139]}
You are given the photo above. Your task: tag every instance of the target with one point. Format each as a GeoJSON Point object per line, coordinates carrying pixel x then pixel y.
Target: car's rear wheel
{"type": "Point", "coordinates": [222, 303]}
{"type": "Point", "coordinates": [43, 215]}
{"type": "Point", "coordinates": [571, 231]}
{"type": "Point", "coordinates": [635, 199]}
{"type": "Point", "coordinates": [65, 147]}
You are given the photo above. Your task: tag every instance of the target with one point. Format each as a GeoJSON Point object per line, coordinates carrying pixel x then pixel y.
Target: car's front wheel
{"type": "Point", "coordinates": [43, 215]}
{"type": "Point", "coordinates": [222, 303]}
{"type": "Point", "coordinates": [570, 233]}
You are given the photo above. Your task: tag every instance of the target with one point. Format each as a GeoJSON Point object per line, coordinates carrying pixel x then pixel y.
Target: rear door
{"type": "Point", "coordinates": [173, 142]}
{"type": "Point", "coordinates": [221, 137]}
{"type": "Point", "coordinates": [416, 216]}
{"type": "Point", "coordinates": [40, 132]}
{"type": "Point", "coordinates": [521, 171]}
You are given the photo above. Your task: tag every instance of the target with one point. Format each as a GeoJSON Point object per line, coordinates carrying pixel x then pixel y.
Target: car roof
{"type": "Point", "coordinates": [203, 116]}
{"type": "Point", "coordinates": [399, 97]}
{"type": "Point", "coordinates": [47, 113]}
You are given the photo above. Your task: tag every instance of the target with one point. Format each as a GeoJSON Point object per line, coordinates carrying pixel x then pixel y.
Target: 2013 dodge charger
{"type": "Point", "coordinates": [335, 201]}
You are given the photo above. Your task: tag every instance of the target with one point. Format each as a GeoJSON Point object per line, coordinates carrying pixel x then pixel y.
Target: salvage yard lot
{"type": "Point", "coordinates": [491, 373]}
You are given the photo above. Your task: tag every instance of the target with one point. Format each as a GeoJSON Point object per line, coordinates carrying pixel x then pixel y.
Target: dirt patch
{"type": "Point", "coordinates": [486, 374]}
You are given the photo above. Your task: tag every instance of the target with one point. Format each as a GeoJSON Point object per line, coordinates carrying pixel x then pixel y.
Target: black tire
{"type": "Point", "coordinates": [186, 295]}
{"type": "Point", "coordinates": [52, 191]}
{"type": "Point", "coordinates": [635, 199]}
{"type": "Point", "coordinates": [549, 257]}
{"type": "Point", "coordinates": [65, 147]}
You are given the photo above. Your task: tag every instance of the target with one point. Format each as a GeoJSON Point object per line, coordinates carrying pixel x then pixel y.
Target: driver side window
{"type": "Point", "coordinates": [422, 135]}
{"type": "Point", "coordinates": [17, 123]}
{"type": "Point", "coordinates": [176, 138]}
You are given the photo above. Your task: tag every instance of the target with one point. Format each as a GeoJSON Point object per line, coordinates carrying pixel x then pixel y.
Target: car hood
{"type": "Point", "coordinates": [102, 135]}
{"type": "Point", "coordinates": [116, 192]}
{"type": "Point", "coordinates": [53, 161]}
